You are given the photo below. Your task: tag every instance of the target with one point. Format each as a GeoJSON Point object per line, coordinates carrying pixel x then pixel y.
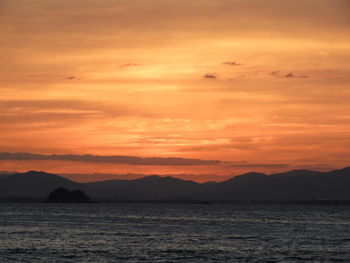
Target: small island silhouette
{"type": "Point", "coordinates": [62, 195]}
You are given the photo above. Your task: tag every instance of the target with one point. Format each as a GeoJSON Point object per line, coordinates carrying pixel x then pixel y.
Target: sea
{"type": "Point", "coordinates": [163, 232]}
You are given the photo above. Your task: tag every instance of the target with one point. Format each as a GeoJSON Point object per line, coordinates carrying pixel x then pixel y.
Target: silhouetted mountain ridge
{"type": "Point", "coordinates": [247, 177]}
{"type": "Point", "coordinates": [32, 184]}
{"type": "Point", "coordinates": [291, 185]}
{"type": "Point", "coordinates": [297, 172]}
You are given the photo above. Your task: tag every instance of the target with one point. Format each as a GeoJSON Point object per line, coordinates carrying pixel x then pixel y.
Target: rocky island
{"type": "Point", "coordinates": [62, 195]}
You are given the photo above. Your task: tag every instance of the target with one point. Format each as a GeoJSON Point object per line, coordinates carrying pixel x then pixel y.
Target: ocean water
{"type": "Point", "coordinates": [124, 232]}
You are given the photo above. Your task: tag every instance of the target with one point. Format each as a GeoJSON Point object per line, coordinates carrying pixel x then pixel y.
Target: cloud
{"type": "Point", "coordinates": [260, 165]}
{"type": "Point", "coordinates": [63, 118]}
{"type": "Point", "coordinates": [231, 63]}
{"type": "Point", "coordinates": [129, 65]}
{"type": "Point", "coordinates": [334, 76]}
{"type": "Point", "coordinates": [63, 111]}
{"type": "Point", "coordinates": [116, 159]}
{"type": "Point", "coordinates": [220, 147]}
{"type": "Point", "coordinates": [51, 104]}
{"type": "Point", "coordinates": [210, 76]}
{"type": "Point", "coordinates": [72, 78]}
{"type": "Point", "coordinates": [289, 75]}
{"type": "Point", "coordinates": [275, 73]}
{"type": "Point", "coordinates": [57, 105]}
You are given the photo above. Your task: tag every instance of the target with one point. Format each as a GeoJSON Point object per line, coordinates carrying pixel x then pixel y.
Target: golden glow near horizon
{"type": "Point", "coordinates": [261, 84]}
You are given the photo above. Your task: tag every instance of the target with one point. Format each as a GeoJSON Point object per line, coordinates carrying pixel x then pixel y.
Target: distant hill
{"type": "Point", "coordinates": [6, 172]}
{"type": "Point", "coordinates": [32, 184]}
{"type": "Point", "coordinates": [291, 185]}
{"type": "Point", "coordinates": [146, 188]}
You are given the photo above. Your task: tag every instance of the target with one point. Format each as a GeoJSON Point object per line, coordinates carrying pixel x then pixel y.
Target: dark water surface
{"type": "Point", "coordinates": [37, 232]}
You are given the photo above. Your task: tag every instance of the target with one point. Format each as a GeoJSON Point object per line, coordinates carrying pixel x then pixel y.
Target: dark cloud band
{"type": "Point", "coordinates": [132, 160]}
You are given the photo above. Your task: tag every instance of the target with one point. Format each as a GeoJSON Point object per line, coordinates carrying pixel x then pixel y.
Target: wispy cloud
{"type": "Point", "coordinates": [126, 65]}
{"type": "Point", "coordinates": [210, 76]}
{"type": "Point", "coordinates": [232, 63]}
{"type": "Point", "coordinates": [334, 76]}
{"type": "Point", "coordinates": [72, 78]}
{"type": "Point", "coordinates": [289, 75]}
{"type": "Point", "coordinates": [277, 73]}
{"type": "Point", "coordinates": [116, 159]}
{"type": "Point", "coordinates": [261, 165]}
{"type": "Point", "coordinates": [49, 107]}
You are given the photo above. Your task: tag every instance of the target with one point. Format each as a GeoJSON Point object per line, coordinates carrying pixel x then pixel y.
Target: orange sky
{"type": "Point", "coordinates": [259, 85]}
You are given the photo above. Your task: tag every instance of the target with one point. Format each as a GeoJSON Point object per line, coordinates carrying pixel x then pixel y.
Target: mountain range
{"type": "Point", "coordinates": [295, 185]}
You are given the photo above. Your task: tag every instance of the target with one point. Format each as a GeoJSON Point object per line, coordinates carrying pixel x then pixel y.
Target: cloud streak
{"type": "Point", "coordinates": [260, 165]}
{"type": "Point", "coordinates": [289, 75]}
{"type": "Point", "coordinates": [72, 78]}
{"type": "Point", "coordinates": [210, 76]}
{"type": "Point", "coordinates": [277, 73]}
{"type": "Point", "coordinates": [116, 159]}
{"type": "Point", "coordinates": [231, 63]}
{"type": "Point", "coordinates": [12, 111]}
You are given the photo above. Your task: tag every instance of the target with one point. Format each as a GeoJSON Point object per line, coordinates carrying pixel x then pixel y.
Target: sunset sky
{"type": "Point", "coordinates": [207, 88]}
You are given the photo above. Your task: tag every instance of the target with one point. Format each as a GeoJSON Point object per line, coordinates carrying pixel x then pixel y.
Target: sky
{"type": "Point", "coordinates": [207, 89]}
